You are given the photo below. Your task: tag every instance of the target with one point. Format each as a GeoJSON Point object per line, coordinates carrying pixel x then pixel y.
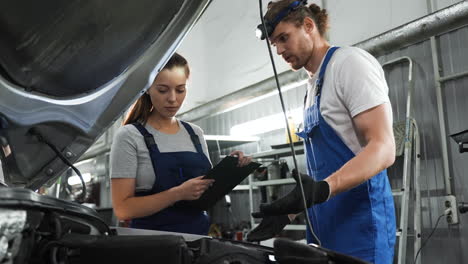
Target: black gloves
{"type": "Point", "coordinates": [275, 214]}
{"type": "Point", "coordinates": [268, 228]}
{"type": "Point", "coordinates": [315, 193]}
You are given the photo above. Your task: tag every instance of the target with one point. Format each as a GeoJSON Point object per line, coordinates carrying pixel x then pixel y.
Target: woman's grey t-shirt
{"type": "Point", "coordinates": [129, 156]}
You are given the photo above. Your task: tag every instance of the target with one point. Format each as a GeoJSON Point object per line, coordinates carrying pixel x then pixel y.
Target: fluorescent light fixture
{"type": "Point", "coordinates": [266, 124]}
{"type": "Point", "coordinates": [284, 88]}
{"type": "Point", "coordinates": [230, 138]}
{"type": "Point", "coordinates": [74, 180]}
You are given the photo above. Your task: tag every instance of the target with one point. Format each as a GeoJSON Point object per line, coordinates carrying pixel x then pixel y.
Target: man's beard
{"type": "Point", "coordinates": [297, 65]}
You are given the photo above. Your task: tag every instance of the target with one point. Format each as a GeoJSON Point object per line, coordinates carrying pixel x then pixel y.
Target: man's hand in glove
{"type": "Point", "coordinates": [315, 193]}
{"type": "Point", "coordinates": [268, 228]}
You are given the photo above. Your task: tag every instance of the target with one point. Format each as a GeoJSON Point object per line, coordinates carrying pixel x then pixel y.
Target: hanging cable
{"type": "Point", "coordinates": [427, 239]}
{"type": "Point", "coordinates": [81, 198]}
{"type": "Point", "coordinates": [299, 181]}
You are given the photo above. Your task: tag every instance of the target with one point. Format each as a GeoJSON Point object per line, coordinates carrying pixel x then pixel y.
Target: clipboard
{"type": "Point", "coordinates": [227, 176]}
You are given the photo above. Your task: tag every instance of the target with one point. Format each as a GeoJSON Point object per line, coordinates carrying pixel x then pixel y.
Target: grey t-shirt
{"type": "Point", "coordinates": [129, 156]}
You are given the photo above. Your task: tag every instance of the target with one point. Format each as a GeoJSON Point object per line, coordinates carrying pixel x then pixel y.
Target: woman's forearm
{"type": "Point", "coordinates": [135, 207]}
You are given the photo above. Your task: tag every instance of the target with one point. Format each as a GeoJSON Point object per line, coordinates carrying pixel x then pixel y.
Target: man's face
{"type": "Point", "coordinates": [292, 43]}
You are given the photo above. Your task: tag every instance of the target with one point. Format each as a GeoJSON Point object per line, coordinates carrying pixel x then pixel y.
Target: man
{"type": "Point", "coordinates": [348, 140]}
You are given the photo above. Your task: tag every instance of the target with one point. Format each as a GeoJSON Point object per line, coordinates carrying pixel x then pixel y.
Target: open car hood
{"type": "Point", "coordinates": [69, 69]}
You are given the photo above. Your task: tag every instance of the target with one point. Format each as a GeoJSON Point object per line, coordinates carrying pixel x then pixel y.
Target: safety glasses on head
{"type": "Point", "coordinates": [266, 30]}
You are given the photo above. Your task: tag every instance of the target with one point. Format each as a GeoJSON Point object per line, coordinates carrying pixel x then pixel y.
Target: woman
{"type": "Point", "coordinates": [158, 161]}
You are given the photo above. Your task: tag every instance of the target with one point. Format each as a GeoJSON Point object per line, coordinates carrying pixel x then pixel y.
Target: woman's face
{"type": "Point", "coordinates": [168, 91]}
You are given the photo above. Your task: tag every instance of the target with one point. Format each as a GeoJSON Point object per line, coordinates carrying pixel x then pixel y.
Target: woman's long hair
{"type": "Point", "coordinates": [142, 108]}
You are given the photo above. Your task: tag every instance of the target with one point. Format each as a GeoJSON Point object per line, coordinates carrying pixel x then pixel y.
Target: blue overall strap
{"type": "Point", "coordinates": [320, 78]}
{"type": "Point", "coordinates": [194, 137]}
{"type": "Point", "coordinates": [150, 144]}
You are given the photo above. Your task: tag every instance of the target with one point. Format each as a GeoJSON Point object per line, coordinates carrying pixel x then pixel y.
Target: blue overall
{"type": "Point", "coordinates": [172, 169]}
{"type": "Point", "coordinates": [359, 222]}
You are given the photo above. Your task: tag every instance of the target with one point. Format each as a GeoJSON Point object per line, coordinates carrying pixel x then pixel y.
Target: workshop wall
{"type": "Point", "coordinates": [448, 241]}
{"type": "Point", "coordinates": [453, 57]}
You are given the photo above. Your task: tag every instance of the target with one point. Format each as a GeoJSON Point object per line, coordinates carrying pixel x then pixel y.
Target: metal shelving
{"type": "Point", "coordinates": [275, 154]}
{"type": "Point", "coordinates": [278, 153]}
{"type": "Point", "coordinates": [223, 141]}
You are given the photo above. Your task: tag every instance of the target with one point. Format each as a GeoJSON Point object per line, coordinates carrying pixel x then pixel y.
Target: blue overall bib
{"type": "Point", "coordinates": [172, 169]}
{"type": "Point", "coordinates": [359, 222]}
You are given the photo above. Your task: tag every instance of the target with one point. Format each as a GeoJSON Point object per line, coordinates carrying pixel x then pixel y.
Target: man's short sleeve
{"type": "Point", "coordinates": [362, 82]}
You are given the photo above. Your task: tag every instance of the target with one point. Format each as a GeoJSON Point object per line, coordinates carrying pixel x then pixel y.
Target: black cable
{"type": "Point", "coordinates": [427, 239]}
{"type": "Point", "coordinates": [301, 187]}
{"type": "Point", "coordinates": [57, 225]}
{"type": "Point", "coordinates": [81, 198]}
{"type": "Point", "coordinates": [49, 245]}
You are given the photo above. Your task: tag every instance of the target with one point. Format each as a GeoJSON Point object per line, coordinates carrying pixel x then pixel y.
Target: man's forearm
{"type": "Point", "coordinates": [375, 157]}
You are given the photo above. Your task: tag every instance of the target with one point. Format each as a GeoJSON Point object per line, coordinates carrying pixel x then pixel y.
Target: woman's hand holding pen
{"type": "Point", "coordinates": [194, 188]}
{"type": "Point", "coordinates": [243, 160]}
